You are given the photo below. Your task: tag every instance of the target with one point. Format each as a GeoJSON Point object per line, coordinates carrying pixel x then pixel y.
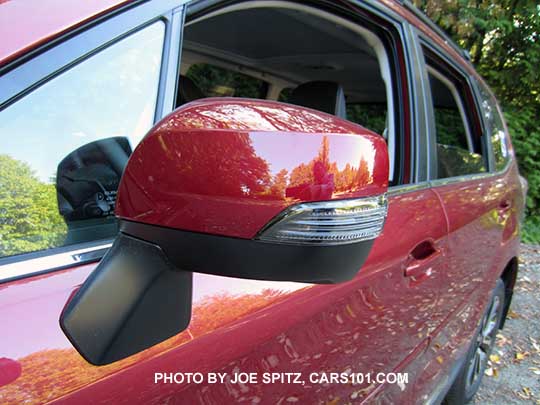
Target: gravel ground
{"type": "Point", "coordinates": [513, 376]}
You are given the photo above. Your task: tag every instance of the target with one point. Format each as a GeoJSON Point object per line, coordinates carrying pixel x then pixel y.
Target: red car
{"type": "Point", "coordinates": [248, 202]}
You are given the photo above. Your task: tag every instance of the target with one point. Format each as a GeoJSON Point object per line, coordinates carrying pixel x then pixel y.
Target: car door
{"type": "Point", "coordinates": [475, 204]}
{"type": "Point", "coordinates": [377, 323]}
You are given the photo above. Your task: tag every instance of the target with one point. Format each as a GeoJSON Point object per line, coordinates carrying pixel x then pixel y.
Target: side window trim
{"type": "Point", "coordinates": [18, 81]}
{"type": "Point", "coordinates": [423, 42]}
{"type": "Point", "coordinates": [40, 70]}
{"type": "Point", "coordinates": [422, 110]}
{"type": "Point", "coordinates": [36, 263]}
{"type": "Point", "coordinates": [415, 40]}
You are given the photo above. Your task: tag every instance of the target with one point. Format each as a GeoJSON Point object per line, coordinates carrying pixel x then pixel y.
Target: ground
{"type": "Point", "coordinates": [513, 376]}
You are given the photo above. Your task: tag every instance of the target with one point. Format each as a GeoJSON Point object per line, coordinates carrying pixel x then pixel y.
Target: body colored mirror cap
{"type": "Point", "coordinates": [228, 166]}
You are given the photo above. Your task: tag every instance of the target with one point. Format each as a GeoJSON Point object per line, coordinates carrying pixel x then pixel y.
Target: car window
{"type": "Point", "coordinates": [65, 144]}
{"type": "Point", "coordinates": [284, 94]}
{"type": "Point", "coordinates": [458, 151]}
{"type": "Point", "coordinates": [371, 116]}
{"type": "Point", "coordinates": [304, 59]}
{"type": "Point", "coordinates": [215, 81]}
{"type": "Point", "coordinates": [495, 128]}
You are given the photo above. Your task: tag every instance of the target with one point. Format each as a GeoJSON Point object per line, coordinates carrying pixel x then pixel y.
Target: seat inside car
{"type": "Point", "coordinates": [323, 96]}
{"type": "Point", "coordinates": [187, 91]}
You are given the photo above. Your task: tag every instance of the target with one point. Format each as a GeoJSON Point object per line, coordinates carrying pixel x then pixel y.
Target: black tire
{"type": "Point", "coordinates": [469, 378]}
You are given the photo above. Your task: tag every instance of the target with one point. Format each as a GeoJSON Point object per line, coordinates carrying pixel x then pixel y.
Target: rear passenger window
{"type": "Point", "coordinates": [64, 146]}
{"type": "Point", "coordinates": [494, 128]}
{"type": "Point", "coordinates": [458, 142]}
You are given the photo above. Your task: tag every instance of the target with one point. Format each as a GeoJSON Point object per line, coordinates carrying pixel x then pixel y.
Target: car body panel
{"type": "Point", "coordinates": [379, 321]}
{"type": "Point", "coordinates": [32, 30]}
{"type": "Point", "coordinates": [482, 241]}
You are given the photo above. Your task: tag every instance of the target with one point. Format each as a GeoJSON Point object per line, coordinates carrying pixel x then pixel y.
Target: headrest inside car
{"type": "Point", "coordinates": [323, 96]}
{"type": "Point", "coordinates": [187, 91]}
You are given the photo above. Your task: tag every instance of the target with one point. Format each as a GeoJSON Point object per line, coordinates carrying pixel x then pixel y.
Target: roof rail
{"type": "Point", "coordinates": [425, 19]}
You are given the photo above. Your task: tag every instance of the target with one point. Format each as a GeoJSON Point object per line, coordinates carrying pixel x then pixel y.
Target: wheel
{"type": "Point", "coordinates": [469, 378]}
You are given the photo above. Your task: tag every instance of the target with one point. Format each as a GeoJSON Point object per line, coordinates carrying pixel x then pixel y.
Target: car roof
{"type": "Point", "coordinates": [26, 24]}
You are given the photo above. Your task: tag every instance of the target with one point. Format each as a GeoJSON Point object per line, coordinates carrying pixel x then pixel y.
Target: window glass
{"type": "Point", "coordinates": [371, 116]}
{"type": "Point", "coordinates": [456, 154]}
{"type": "Point", "coordinates": [285, 94]}
{"type": "Point", "coordinates": [494, 128]}
{"type": "Point", "coordinates": [215, 81]}
{"type": "Point", "coordinates": [316, 62]}
{"type": "Point", "coordinates": [64, 146]}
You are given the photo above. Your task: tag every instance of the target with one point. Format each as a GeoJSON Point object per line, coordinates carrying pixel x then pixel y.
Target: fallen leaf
{"type": "Point", "coordinates": [495, 358]}
{"type": "Point", "coordinates": [513, 315]}
{"type": "Point", "coordinates": [502, 340]}
{"type": "Point", "coordinates": [535, 370]}
{"type": "Point", "coordinates": [525, 393]}
{"type": "Point", "coordinates": [520, 356]}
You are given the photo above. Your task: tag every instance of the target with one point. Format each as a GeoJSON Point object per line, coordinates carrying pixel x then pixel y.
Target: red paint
{"type": "Point", "coordinates": [379, 321]}
{"type": "Point", "coordinates": [220, 159]}
{"type": "Point", "coordinates": [376, 322]}
{"type": "Point", "coordinates": [10, 370]}
{"type": "Point", "coordinates": [31, 23]}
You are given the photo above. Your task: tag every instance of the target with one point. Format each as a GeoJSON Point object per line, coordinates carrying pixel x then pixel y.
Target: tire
{"type": "Point", "coordinates": [469, 378]}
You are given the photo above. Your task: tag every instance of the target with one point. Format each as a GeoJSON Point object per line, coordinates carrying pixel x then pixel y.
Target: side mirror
{"type": "Point", "coordinates": [239, 188]}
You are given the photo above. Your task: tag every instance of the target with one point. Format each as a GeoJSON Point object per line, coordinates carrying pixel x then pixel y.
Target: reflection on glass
{"type": "Point", "coordinates": [111, 94]}
{"type": "Point", "coordinates": [495, 129]}
{"type": "Point", "coordinates": [87, 181]}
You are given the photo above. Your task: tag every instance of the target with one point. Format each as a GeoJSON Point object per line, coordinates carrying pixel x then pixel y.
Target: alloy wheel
{"type": "Point", "coordinates": [483, 344]}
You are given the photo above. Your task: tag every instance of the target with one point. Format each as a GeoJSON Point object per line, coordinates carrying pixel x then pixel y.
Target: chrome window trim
{"type": "Point", "coordinates": [407, 188]}
{"type": "Point", "coordinates": [48, 263]}
{"type": "Point", "coordinates": [471, 177]}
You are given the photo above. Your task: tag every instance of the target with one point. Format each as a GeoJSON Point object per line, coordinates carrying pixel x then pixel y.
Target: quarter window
{"type": "Point", "coordinates": [64, 146]}
{"type": "Point", "coordinates": [494, 128]}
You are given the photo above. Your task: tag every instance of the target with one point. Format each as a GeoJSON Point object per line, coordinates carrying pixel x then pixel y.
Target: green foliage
{"type": "Point", "coordinates": [523, 125]}
{"type": "Point", "coordinates": [371, 116]}
{"type": "Point", "coordinates": [530, 232]}
{"type": "Point", "coordinates": [215, 81]}
{"type": "Point", "coordinates": [503, 40]}
{"type": "Point", "coordinates": [29, 218]}
{"type": "Point", "coordinates": [449, 127]}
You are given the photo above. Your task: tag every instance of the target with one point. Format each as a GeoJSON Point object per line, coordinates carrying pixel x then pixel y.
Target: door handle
{"type": "Point", "coordinates": [417, 264]}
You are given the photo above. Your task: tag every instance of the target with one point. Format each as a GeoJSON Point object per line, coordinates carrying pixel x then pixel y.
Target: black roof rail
{"type": "Point", "coordinates": [425, 19]}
